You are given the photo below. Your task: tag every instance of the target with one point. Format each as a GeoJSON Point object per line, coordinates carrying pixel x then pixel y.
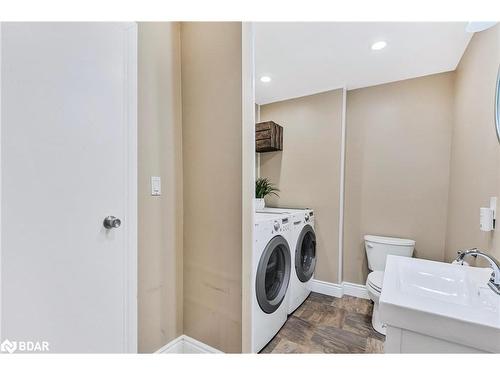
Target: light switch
{"type": "Point", "coordinates": [155, 185]}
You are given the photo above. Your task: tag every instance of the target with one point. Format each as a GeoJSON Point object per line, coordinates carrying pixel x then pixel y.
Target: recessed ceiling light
{"type": "Point", "coordinates": [265, 79]}
{"type": "Point", "coordinates": [378, 45]}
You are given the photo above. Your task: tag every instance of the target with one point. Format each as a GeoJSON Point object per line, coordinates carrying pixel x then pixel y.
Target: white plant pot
{"type": "Point", "coordinates": [259, 203]}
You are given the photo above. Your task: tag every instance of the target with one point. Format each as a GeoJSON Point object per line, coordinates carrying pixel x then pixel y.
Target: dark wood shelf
{"type": "Point", "coordinates": [268, 137]}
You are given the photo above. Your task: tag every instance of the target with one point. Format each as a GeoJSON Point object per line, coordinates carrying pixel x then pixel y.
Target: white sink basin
{"type": "Point", "coordinates": [445, 301]}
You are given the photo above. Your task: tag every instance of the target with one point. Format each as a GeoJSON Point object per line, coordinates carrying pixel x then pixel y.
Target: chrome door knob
{"type": "Point", "coordinates": [111, 222]}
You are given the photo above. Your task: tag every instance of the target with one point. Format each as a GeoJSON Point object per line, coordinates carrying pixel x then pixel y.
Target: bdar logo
{"type": "Point", "coordinates": [8, 346]}
{"type": "Point", "coordinates": [24, 346]}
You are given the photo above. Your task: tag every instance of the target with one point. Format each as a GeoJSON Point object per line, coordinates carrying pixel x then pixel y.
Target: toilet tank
{"type": "Point", "coordinates": [377, 248]}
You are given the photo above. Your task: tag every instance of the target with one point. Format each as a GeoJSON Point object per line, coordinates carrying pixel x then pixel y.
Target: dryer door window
{"type": "Point", "coordinates": [273, 274]}
{"type": "Point", "coordinates": [305, 254]}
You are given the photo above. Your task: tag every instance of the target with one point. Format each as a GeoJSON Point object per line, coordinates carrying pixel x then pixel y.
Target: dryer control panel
{"type": "Point", "coordinates": [282, 225]}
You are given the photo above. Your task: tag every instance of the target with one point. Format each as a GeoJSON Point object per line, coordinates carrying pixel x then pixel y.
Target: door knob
{"type": "Point", "coordinates": [111, 222]}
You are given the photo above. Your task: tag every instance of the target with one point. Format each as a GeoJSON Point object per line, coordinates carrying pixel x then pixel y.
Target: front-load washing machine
{"type": "Point", "coordinates": [271, 270]}
{"type": "Point", "coordinates": [303, 250]}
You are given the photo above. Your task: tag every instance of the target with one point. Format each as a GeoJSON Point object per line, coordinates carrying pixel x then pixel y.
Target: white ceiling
{"type": "Point", "coordinates": [305, 58]}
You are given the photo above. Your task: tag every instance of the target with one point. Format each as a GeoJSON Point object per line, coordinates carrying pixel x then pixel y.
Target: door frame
{"type": "Point", "coordinates": [130, 115]}
{"type": "Point", "coordinates": [248, 180]}
{"type": "Point", "coordinates": [130, 121]}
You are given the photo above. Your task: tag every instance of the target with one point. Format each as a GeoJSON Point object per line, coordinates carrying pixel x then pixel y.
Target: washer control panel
{"type": "Point", "coordinates": [276, 225]}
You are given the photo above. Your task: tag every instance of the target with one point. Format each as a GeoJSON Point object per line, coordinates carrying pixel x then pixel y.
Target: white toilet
{"type": "Point", "coordinates": [377, 248]}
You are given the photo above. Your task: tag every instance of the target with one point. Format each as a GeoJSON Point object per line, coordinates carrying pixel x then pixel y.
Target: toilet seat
{"type": "Point", "coordinates": [375, 280]}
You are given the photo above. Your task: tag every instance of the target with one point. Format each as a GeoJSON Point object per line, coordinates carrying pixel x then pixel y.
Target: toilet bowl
{"type": "Point", "coordinates": [377, 248]}
{"type": "Point", "coordinates": [374, 287]}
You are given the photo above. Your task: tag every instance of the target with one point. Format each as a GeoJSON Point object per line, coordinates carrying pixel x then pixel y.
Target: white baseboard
{"type": "Point", "coordinates": [338, 290]}
{"type": "Point", "coordinates": [174, 346]}
{"type": "Point", "coordinates": [187, 345]}
{"type": "Point", "coordinates": [355, 290]}
{"type": "Point", "coordinates": [330, 289]}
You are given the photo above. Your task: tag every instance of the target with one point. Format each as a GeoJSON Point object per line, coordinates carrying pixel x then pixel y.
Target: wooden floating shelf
{"type": "Point", "coordinates": [268, 137]}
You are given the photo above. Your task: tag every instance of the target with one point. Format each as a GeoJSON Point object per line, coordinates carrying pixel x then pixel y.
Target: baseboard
{"type": "Point", "coordinates": [187, 345]}
{"type": "Point", "coordinates": [330, 289]}
{"type": "Point", "coordinates": [174, 346]}
{"type": "Point", "coordinates": [355, 290]}
{"type": "Point", "coordinates": [338, 290]}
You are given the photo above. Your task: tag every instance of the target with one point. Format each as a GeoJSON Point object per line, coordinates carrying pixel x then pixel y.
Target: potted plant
{"type": "Point", "coordinates": [263, 188]}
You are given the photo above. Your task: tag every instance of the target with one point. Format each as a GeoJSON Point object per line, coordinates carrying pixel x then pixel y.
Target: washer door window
{"type": "Point", "coordinates": [273, 275]}
{"type": "Point", "coordinates": [305, 254]}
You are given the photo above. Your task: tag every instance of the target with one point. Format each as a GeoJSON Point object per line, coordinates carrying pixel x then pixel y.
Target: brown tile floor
{"type": "Point", "coordinates": [324, 324]}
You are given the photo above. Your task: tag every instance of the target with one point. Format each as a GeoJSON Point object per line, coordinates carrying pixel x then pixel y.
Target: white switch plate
{"type": "Point", "coordinates": [155, 185]}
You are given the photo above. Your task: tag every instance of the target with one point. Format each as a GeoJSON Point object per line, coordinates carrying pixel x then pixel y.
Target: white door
{"type": "Point", "coordinates": [68, 160]}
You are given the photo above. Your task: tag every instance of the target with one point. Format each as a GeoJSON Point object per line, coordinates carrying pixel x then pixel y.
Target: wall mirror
{"type": "Point", "coordinates": [497, 105]}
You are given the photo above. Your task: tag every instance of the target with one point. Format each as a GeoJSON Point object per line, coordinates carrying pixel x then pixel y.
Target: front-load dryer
{"type": "Point", "coordinates": [271, 270]}
{"type": "Point", "coordinates": [303, 250]}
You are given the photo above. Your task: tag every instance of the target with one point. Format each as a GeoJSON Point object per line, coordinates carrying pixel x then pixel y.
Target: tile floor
{"type": "Point", "coordinates": [324, 324]}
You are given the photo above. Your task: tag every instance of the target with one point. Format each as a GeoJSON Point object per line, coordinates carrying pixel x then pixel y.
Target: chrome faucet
{"type": "Point", "coordinates": [494, 282]}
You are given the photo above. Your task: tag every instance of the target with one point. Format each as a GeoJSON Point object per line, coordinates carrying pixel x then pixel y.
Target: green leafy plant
{"type": "Point", "coordinates": [264, 187]}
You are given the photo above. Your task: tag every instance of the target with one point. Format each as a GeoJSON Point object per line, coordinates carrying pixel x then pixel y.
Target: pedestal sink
{"type": "Point", "coordinates": [435, 307]}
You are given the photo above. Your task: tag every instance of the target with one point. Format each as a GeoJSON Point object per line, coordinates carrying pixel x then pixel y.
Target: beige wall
{"type": "Point", "coordinates": [397, 167]}
{"type": "Point", "coordinates": [307, 171]}
{"type": "Point", "coordinates": [475, 157]}
{"type": "Point", "coordinates": [160, 154]}
{"type": "Point", "coordinates": [212, 159]}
